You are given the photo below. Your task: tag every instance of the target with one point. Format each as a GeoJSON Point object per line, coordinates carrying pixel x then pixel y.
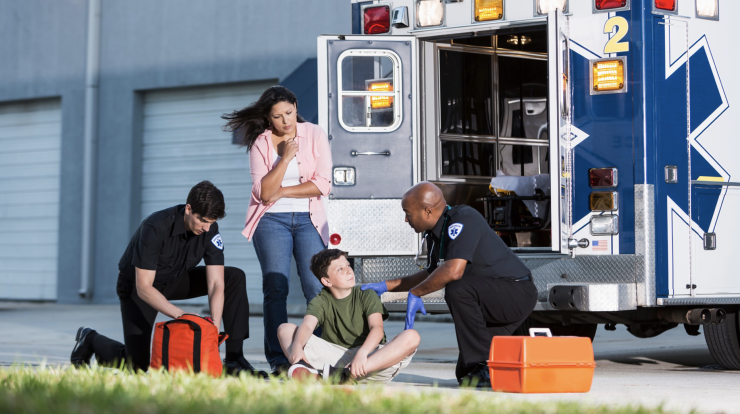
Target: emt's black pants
{"type": "Point", "coordinates": [483, 307]}
{"type": "Point", "coordinates": [138, 316]}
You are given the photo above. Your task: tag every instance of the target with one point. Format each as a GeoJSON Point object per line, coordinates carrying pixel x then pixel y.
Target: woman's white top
{"type": "Point", "coordinates": [291, 178]}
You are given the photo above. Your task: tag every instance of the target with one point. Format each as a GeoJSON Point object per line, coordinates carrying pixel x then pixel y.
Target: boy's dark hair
{"type": "Point", "coordinates": [320, 261]}
{"type": "Point", "coordinates": [207, 201]}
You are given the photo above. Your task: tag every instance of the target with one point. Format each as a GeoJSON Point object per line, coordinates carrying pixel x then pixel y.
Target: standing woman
{"type": "Point", "coordinates": [290, 163]}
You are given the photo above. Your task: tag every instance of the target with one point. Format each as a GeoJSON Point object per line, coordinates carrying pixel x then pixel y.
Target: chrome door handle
{"type": "Point", "coordinates": [355, 153]}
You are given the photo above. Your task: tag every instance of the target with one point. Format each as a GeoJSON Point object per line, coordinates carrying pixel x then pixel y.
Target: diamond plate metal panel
{"type": "Point", "coordinates": [377, 269]}
{"type": "Point", "coordinates": [645, 243]}
{"type": "Point", "coordinates": [582, 270]}
{"type": "Point", "coordinates": [699, 301]}
{"type": "Point", "coordinates": [371, 228]}
{"type": "Point", "coordinates": [604, 297]}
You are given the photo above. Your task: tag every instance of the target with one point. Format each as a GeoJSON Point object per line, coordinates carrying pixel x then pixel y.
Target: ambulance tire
{"type": "Point", "coordinates": [586, 330]}
{"type": "Point", "coordinates": [723, 341]}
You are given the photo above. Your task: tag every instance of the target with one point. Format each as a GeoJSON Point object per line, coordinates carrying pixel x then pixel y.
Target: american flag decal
{"type": "Point", "coordinates": [600, 245]}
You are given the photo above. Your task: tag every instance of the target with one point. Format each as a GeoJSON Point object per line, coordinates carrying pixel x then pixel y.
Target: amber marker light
{"type": "Point", "coordinates": [380, 102]}
{"type": "Point", "coordinates": [608, 75]}
{"type": "Point", "coordinates": [603, 201]}
{"type": "Point", "coordinates": [380, 87]}
{"type": "Point", "coordinates": [489, 10]}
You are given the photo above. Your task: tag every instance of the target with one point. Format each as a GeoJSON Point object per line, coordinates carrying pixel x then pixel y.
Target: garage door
{"type": "Point", "coordinates": [183, 144]}
{"type": "Point", "coordinates": [30, 143]}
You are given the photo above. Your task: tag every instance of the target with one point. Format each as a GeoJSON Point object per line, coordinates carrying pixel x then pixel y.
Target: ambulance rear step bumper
{"type": "Point", "coordinates": [430, 307]}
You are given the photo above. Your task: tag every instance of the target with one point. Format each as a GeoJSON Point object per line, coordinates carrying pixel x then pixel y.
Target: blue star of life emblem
{"type": "Point", "coordinates": [454, 230]}
{"type": "Point", "coordinates": [216, 240]}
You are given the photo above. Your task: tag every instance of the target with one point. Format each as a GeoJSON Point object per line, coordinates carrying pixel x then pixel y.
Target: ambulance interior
{"type": "Point", "coordinates": [493, 151]}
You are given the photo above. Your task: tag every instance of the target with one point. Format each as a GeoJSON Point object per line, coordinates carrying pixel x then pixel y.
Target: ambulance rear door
{"type": "Point", "coordinates": [561, 161]}
{"type": "Point", "coordinates": [366, 105]}
{"type": "Point", "coordinates": [368, 116]}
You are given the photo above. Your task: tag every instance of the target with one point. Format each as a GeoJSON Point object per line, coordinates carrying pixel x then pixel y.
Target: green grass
{"type": "Point", "coordinates": [68, 390]}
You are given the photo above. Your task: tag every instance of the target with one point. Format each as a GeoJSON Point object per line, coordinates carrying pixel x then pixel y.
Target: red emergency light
{"type": "Point", "coordinates": [602, 177]}
{"type": "Point", "coordinates": [668, 5]}
{"type": "Point", "coordinates": [609, 4]}
{"type": "Point", "coordinates": [377, 20]}
{"type": "Point", "coordinates": [335, 239]}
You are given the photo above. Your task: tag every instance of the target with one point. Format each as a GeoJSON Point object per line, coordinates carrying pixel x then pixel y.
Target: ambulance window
{"type": "Point", "coordinates": [522, 98]}
{"type": "Point", "coordinates": [482, 41]}
{"type": "Point", "coordinates": [369, 90]}
{"type": "Point", "coordinates": [465, 93]}
{"type": "Point", "coordinates": [359, 71]}
{"type": "Point", "coordinates": [523, 42]}
{"type": "Point", "coordinates": [523, 160]}
{"type": "Point", "coordinates": [468, 159]}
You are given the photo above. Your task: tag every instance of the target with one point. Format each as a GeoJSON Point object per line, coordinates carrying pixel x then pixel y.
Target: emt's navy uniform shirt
{"type": "Point", "coordinates": [162, 244]}
{"type": "Point", "coordinates": [468, 236]}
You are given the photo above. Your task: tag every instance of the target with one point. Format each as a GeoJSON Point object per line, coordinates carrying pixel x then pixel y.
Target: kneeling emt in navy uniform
{"type": "Point", "coordinates": [159, 265]}
{"type": "Point", "coordinates": [488, 290]}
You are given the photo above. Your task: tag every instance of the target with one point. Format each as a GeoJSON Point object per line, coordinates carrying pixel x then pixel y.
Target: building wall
{"type": "Point", "coordinates": [145, 45]}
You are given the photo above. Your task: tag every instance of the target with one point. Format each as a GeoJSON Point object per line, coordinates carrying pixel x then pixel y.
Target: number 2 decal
{"type": "Point", "coordinates": [615, 44]}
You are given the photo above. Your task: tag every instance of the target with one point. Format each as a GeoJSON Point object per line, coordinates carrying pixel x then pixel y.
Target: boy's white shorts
{"type": "Point", "coordinates": [319, 352]}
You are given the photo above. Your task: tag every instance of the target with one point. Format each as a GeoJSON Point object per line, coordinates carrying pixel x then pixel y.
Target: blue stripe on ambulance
{"type": "Point", "coordinates": [708, 101]}
{"type": "Point", "coordinates": [608, 120]}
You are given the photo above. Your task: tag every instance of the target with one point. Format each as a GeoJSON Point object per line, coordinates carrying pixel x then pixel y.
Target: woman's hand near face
{"type": "Point", "coordinates": [290, 149]}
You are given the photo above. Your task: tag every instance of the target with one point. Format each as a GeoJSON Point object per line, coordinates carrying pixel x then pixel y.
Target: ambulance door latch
{"type": "Point", "coordinates": [710, 241]}
{"type": "Point", "coordinates": [671, 174]}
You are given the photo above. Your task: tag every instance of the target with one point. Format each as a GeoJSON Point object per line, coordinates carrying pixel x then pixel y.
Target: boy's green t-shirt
{"type": "Point", "coordinates": [344, 321]}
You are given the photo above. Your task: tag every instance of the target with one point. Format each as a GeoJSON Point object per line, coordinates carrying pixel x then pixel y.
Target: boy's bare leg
{"type": "Point", "coordinates": [286, 334]}
{"type": "Point", "coordinates": [394, 351]}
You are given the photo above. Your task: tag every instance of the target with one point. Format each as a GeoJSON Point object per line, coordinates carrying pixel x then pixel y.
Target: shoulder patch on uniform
{"type": "Point", "coordinates": [454, 230]}
{"type": "Point", "coordinates": [216, 240]}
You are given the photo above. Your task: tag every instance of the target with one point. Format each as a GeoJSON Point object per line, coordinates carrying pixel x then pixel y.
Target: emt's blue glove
{"type": "Point", "coordinates": [413, 305]}
{"type": "Point", "coordinates": [379, 287]}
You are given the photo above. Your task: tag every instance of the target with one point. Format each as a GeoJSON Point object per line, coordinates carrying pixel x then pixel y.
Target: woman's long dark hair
{"type": "Point", "coordinates": [250, 122]}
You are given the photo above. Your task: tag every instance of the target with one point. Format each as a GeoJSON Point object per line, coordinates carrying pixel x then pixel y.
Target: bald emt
{"type": "Point", "coordinates": [488, 290]}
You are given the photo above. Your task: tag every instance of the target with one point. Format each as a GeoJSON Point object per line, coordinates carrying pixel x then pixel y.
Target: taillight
{"type": "Point", "coordinates": [602, 177]}
{"type": "Point", "coordinates": [377, 20]}
{"type": "Point", "coordinates": [603, 201]}
{"type": "Point", "coordinates": [609, 4]}
{"type": "Point", "coordinates": [668, 5]}
{"type": "Point", "coordinates": [335, 239]}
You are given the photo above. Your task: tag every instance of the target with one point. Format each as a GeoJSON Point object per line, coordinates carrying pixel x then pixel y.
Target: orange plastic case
{"type": "Point", "coordinates": [541, 364]}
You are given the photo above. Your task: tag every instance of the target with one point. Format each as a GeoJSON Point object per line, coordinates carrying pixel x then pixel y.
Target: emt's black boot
{"type": "Point", "coordinates": [242, 365]}
{"type": "Point", "coordinates": [478, 378]}
{"type": "Point", "coordinates": [82, 351]}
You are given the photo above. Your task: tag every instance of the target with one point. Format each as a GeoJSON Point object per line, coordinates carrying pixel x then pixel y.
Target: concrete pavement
{"type": "Point", "coordinates": [673, 370]}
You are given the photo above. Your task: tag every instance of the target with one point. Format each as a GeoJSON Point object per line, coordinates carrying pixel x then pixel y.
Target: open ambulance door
{"type": "Point", "coordinates": [366, 109]}
{"type": "Point", "coordinates": [561, 160]}
{"type": "Point", "coordinates": [366, 93]}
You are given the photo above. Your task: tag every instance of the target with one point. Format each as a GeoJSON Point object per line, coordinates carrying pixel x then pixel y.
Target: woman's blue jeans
{"type": "Point", "coordinates": [278, 235]}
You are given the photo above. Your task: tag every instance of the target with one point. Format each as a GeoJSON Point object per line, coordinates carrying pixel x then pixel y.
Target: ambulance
{"type": "Point", "coordinates": [595, 136]}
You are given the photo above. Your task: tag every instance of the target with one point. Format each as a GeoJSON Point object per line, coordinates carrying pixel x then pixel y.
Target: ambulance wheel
{"type": "Point", "coordinates": [586, 330]}
{"type": "Point", "coordinates": [723, 341]}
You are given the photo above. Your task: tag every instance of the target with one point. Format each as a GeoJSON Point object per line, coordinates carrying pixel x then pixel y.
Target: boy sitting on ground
{"type": "Point", "coordinates": [352, 345]}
